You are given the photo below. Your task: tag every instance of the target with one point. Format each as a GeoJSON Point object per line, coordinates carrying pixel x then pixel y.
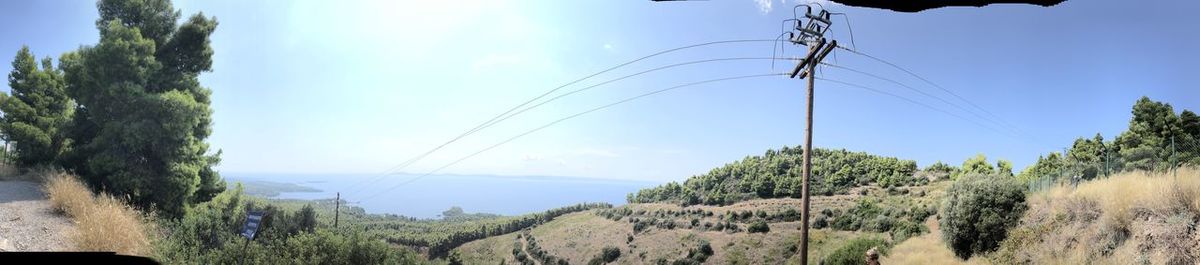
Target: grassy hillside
{"type": "Point", "coordinates": [646, 233]}
{"type": "Point", "coordinates": [1130, 218]}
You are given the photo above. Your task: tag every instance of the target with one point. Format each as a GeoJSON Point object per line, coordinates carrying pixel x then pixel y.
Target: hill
{"type": "Point", "coordinates": [776, 174]}
{"type": "Point", "coordinates": [649, 233]}
{"type": "Point", "coordinates": [1131, 218]}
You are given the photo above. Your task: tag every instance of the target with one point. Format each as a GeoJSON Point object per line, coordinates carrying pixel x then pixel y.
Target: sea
{"type": "Point", "coordinates": [427, 197]}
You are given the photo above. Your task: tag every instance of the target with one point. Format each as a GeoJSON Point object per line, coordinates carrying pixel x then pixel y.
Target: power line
{"type": "Point", "coordinates": [939, 86]}
{"type": "Point", "coordinates": [918, 91]}
{"type": "Point", "coordinates": [486, 123]}
{"type": "Point", "coordinates": [564, 119]}
{"type": "Point", "coordinates": [915, 102]}
{"type": "Point", "coordinates": [660, 68]}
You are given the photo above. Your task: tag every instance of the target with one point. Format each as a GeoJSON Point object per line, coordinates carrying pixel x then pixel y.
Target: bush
{"type": "Point", "coordinates": [610, 254]}
{"type": "Point", "coordinates": [639, 226]}
{"type": "Point", "coordinates": [855, 250]}
{"type": "Point", "coordinates": [905, 229]}
{"type": "Point", "coordinates": [820, 222]}
{"type": "Point", "coordinates": [977, 212]}
{"type": "Point", "coordinates": [881, 223]}
{"type": "Point", "coordinates": [758, 227]}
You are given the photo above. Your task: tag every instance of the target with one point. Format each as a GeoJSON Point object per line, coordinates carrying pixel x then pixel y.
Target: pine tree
{"type": "Point", "coordinates": [36, 110]}
{"type": "Point", "coordinates": [145, 115]}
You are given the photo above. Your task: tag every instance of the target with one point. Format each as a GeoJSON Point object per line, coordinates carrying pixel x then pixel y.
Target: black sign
{"type": "Point", "coordinates": [252, 220]}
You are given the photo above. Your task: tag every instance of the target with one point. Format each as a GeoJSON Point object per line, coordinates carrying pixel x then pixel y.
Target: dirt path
{"type": "Point", "coordinates": [27, 222]}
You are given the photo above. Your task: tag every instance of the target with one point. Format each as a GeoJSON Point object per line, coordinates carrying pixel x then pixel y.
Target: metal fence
{"type": "Point", "coordinates": [1166, 160]}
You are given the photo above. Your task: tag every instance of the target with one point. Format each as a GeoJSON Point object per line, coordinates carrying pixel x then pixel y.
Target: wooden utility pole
{"type": "Point", "coordinates": [807, 172]}
{"type": "Point", "coordinates": [809, 65]}
{"type": "Point", "coordinates": [337, 209]}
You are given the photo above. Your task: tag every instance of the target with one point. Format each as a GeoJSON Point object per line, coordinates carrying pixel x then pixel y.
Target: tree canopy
{"type": "Point", "coordinates": [778, 174]}
{"type": "Point", "coordinates": [1156, 139]}
{"type": "Point", "coordinates": [142, 116]}
{"type": "Point", "coordinates": [35, 111]}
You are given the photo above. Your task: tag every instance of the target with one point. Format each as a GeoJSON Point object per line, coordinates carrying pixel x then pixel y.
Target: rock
{"type": "Point", "coordinates": [6, 246]}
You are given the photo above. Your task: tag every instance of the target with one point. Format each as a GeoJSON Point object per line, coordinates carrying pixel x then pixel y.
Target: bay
{"type": "Point", "coordinates": [427, 197]}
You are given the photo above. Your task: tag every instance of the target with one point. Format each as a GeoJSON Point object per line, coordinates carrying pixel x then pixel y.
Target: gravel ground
{"type": "Point", "coordinates": [27, 223]}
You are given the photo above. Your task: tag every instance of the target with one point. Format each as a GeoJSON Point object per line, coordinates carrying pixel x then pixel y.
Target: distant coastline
{"type": "Point", "coordinates": [268, 189]}
{"type": "Point", "coordinates": [429, 196]}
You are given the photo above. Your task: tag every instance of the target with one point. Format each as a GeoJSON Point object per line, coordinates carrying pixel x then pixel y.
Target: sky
{"type": "Point", "coordinates": [322, 87]}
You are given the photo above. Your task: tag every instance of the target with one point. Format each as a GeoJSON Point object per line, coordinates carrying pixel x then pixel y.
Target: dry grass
{"type": "Point", "coordinates": [110, 225]}
{"type": "Point", "coordinates": [927, 249]}
{"type": "Point", "coordinates": [1135, 217]}
{"type": "Point", "coordinates": [67, 194]}
{"type": "Point", "coordinates": [103, 223]}
{"type": "Point", "coordinates": [579, 236]}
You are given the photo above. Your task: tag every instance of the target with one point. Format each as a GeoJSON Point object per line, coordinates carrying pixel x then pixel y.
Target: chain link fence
{"type": "Point", "coordinates": [1070, 170]}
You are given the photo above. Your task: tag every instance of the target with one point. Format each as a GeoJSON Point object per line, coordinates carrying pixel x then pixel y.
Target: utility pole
{"type": "Point", "coordinates": [337, 209]}
{"type": "Point", "coordinates": [1173, 167]}
{"type": "Point", "coordinates": [811, 35]}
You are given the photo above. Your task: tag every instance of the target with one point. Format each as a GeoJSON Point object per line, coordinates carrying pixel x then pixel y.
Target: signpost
{"type": "Point", "coordinates": [251, 227]}
{"type": "Point", "coordinates": [253, 218]}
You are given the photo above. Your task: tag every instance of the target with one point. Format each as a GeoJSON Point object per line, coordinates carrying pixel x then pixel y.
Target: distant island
{"type": "Point", "coordinates": [269, 189]}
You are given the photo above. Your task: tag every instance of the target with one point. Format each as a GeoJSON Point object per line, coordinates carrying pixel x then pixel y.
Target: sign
{"type": "Point", "coordinates": [252, 220]}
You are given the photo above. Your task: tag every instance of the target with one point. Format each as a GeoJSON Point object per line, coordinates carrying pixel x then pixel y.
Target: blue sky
{"type": "Point", "coordinates": [357, 87]}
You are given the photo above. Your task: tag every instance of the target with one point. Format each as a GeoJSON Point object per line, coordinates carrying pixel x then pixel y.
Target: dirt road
{"type": "Point", "coordinates": [27, 221]}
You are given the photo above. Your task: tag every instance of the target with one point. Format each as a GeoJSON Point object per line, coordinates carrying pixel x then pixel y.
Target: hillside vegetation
{"type": "Point", "coordinates": [760, 231]}
{"type": "Point", "coordinates": [1131, 218]}
{"type": "Point", "coordinates": [776, 174]}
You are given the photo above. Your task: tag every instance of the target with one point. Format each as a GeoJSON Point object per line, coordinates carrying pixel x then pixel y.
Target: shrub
{"type": "Point", "coordinates": [790, 215]}
{"type": "Point", "coordinates": [758, 227]}
{"type": "Point", "coordinates": [977, 212]}
{"type": "Point", "coordinates": [854, 251]}
{"type": "Point", "coordinates": [881, 223]}
{"type": "Point", "coordinates": [610, 254]}
{"type": "Point", "coordinates": [905, 229]}
{"type": "Point", "coordinates": [639, 226]}
{"type": "Point", "coordinates": [820, 222]}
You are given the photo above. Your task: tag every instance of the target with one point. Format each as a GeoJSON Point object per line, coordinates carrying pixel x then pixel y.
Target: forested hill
{"type": "Point", "coordinates": [778, 174]}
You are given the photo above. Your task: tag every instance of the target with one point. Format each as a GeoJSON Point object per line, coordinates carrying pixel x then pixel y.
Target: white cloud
{"type": "Point", "coordinates": [764, 5]}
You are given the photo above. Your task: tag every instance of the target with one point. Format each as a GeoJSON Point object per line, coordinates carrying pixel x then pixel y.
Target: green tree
{"type": "Point", "coordinates": [144, 115]}
{"type": "Point", "coordinates": [1146, 144]}
{"type": "Point", "coordinates": [36, 111]}
{"type": "Point", "coordinates": [977, 212]}
{"type": "Point", "coordinates": [1046, 167]}
{"type": "Point", "coordinates": [1004, 167]}
{"type": "Point", "coordinates": [1086, 157]}
{"type": "Point", "coordinates": [1188, 144]}
{"type": "Point", "coordinates": [1190, 123]}
{"type": "Point", "coordinates": [977, 164]}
